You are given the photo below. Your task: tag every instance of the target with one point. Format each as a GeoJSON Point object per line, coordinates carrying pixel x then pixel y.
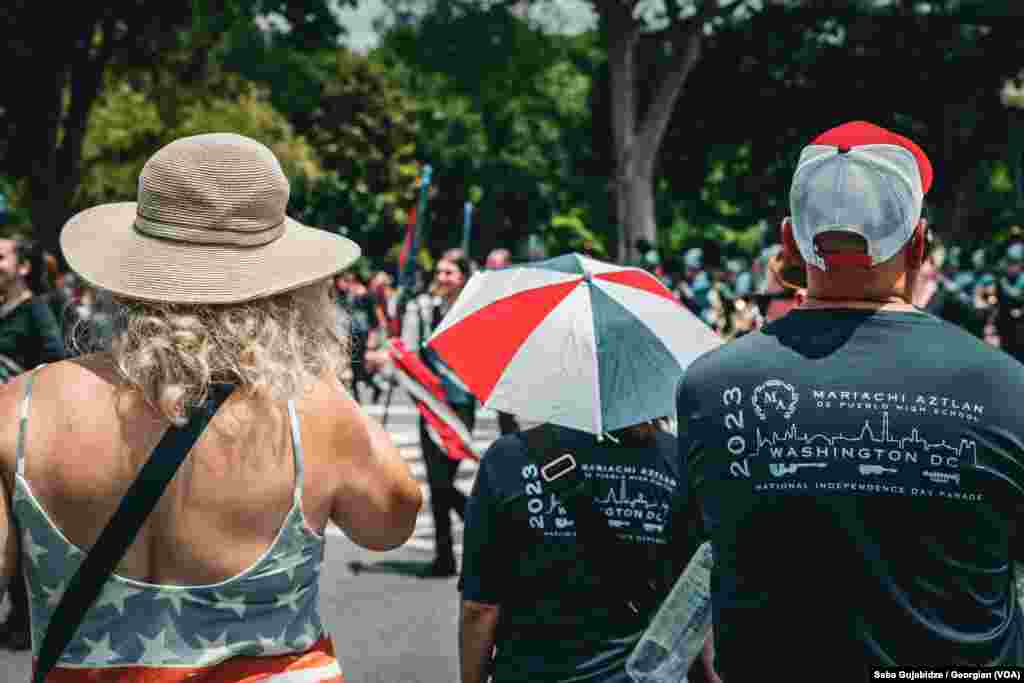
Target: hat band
{"type": "Point", "coordinates": [180, 233]}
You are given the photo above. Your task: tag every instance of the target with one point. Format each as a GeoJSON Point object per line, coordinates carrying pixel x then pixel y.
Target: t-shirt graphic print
{"type": "Point", "coordinates": [861, 472]}
{"type": "Point", "coordinates": [865, 440]}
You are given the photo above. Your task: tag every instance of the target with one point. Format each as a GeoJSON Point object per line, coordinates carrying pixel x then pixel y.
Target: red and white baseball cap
{"type": "Point", "coordinates": [862, 179]}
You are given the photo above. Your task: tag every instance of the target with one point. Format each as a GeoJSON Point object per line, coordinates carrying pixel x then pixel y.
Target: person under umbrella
{"type": "Point", "coordinates": [593, 352]}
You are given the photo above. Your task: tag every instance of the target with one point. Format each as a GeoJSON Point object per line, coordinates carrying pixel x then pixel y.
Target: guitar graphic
{"type": "Point", "coordinates": [942, 477]}
{"type": "Point", "coordinates": [875, 469]}
{"type": "Point", "coordinates": [779, 469]}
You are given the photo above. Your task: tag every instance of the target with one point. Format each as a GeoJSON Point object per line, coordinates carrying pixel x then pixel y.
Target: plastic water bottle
{"type": "Point", "coordinates": [676, 635]}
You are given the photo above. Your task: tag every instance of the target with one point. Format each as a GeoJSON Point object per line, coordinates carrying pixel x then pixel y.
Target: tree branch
{"type": "Point", "coordinates": [652, 129]}
{"type": "Point", "coordinates": [687, 37]}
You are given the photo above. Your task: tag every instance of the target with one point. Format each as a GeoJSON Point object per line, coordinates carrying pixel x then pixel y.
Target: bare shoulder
{"type": "Point", "coordinates": [336, 418]}
{"type": "Point", "coordinates": [58, 385]}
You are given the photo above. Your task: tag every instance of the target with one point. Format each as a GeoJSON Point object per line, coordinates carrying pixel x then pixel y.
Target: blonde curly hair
{"type": "Point", "coordinates": [272, 347]}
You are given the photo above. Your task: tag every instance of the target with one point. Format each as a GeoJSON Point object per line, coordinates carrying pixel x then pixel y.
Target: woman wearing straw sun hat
{"type": "Point", "coordinates": [206, 566]}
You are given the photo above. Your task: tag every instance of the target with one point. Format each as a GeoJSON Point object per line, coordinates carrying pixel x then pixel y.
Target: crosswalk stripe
{"type": "Point", "coordinates": [465, 472]}
{"type": "Point", "coordinates": [406, 410]}
{"type": "Point", "coordinates": [480, 444]}
{"type": "Point", "coordinates": [405, 436]}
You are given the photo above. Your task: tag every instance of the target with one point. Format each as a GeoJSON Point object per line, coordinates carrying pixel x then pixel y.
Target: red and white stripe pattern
{"type": "Point", "coordinates": [317, 665]}
{"type": "Point", "coordinates": [445, 428]}
{"type": "Point", "coordinates": [520, 334]}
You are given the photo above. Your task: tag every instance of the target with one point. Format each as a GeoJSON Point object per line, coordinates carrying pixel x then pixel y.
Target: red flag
{"type": "Point", "coordinates": [444, 426]}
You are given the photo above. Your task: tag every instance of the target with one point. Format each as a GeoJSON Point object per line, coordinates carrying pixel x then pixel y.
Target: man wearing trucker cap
{"type": "Point", "coordinates": [859, 462]}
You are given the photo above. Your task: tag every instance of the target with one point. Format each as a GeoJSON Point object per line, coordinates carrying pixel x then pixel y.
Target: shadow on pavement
{"type": "Point", "coordinates": [412, 568]}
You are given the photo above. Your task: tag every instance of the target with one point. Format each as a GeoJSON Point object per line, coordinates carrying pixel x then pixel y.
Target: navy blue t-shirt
{"type": "Point", "coordinates": [861, 479]}
{"type": "Point", "coordinates": [559, 621]}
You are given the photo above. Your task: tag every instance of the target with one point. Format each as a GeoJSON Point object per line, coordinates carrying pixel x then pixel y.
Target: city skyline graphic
{"type": "Point", "coordinates": [967, 447]}
{"type": "Point", "coordinates": [623, 498]}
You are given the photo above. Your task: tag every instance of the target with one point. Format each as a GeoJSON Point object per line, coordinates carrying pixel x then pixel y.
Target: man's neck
{"type": "Point", "coordinates": [892, 303]}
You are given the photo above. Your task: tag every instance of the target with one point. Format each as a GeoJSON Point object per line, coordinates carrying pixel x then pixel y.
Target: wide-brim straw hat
{"type": "Point", "coordinates": [209, 227]}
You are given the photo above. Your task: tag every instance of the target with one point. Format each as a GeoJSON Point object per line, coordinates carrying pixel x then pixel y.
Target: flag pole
{"type": "Point", "coordinates": [407, 274]}
{"type": "Point", "coordinates": [467, 226]}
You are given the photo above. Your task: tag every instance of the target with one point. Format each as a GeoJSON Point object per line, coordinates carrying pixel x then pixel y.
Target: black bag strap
{"type": "Point", "coordinates": [123, 527]}
{"type": "Point", "coordinates": [562, 476]}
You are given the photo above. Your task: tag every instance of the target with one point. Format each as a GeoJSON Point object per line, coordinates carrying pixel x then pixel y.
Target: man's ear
{"type": "Point", "coordinates": [24, 268]}
{"type": "Point", "coordinates": [790, 250]}
{"type": "Point", "coordinates": [918, 246]}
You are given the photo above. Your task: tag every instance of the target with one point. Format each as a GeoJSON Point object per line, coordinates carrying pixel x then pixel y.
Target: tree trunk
{"type": "Point", "coordinates": [637, 220]}
{"type": "Point", "coordinates": [636, 145]}
{"type": "Point", "coordinates": [55, 175]}
{"type": "Point", "coordinates": [623, 34]}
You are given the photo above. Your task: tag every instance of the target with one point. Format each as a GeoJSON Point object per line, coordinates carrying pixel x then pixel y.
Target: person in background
{"type": "Point", "coordinates": [383, 291]}
{"type": "Point", "coordinates": [51, 291]}
{"type": "Point", "coordinates": [458, 254]}
{"type": "Point", "coordinates": [1009, 319]}
{"type": "Point", "coordinates": [986, 303]}
{"type": "Point", "coordinates": [783, 287]}
{"type": "Point", "coordinates": [361, 307]}
{"type": "Point", "coordinates": [934, 294]}
{"type": "Point", "coordinates": [498, 258]}
{"type": "Point", "coordinates": [695, 285]}
{"type": "Point", "coordinates": [385, 296]}
{"type": "Point", "coordinates": [422, 316]}
{"type": "Point", "coordinates": [90, 322]}
{"type": "Point", "coordinates": [29, 332]}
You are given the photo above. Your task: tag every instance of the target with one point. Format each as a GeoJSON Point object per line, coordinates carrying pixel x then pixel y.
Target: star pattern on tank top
{"type": "Point", "coordinates": [115, 594]}
{"type": "Point", "coordinates": [270, 609]}
{"type": "Point", "coordinates": [100, 653]}
{"type": "Point", "coordinates": [175, 597]}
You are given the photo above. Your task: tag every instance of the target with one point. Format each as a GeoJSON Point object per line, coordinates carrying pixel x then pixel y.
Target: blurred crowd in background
{"type": "Point", "coordinates": [981, 290]}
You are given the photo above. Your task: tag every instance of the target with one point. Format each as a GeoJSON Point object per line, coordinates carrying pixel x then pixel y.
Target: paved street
{"type": "Point", "coordinates": [388, 625]}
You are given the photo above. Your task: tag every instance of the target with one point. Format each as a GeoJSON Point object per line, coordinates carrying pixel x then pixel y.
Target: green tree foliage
{"type": "Point", "coordinates": [44, 123]}
{"type": "Point", "coordinates": [770, 76]}
{"type": "Point", "coordinates": [128, 126]}
{"type": "Point", "coordinates": [931, 70]}
{"type": "Point", "coordinates": [506, 120]}
{"type": "Point", "coordinates": [357, 118]}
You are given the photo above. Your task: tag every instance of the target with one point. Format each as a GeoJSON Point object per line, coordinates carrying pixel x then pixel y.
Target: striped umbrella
{"type": "Point", "coordinates": [572, 341]}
